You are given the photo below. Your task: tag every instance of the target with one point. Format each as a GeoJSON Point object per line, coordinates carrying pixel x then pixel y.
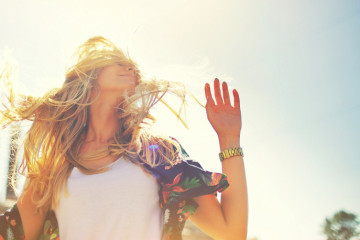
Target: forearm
{"type": "Point", "coordinates": [234, 200]}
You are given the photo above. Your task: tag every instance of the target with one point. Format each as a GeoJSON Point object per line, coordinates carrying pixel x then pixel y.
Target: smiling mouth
{"type": "Point", "coordinates": [126, 75]}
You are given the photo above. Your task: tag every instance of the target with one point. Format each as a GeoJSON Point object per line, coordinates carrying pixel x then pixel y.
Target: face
{"type": "Point", "coordinates": [117, 77]}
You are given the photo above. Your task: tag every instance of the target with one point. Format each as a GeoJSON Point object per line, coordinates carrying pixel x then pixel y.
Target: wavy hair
{"type": "Point", "coordinates": [60, 120]}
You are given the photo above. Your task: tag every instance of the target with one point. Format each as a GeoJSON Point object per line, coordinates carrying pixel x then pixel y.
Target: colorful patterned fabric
{"type": "Point", "coordinates": [179, 184]}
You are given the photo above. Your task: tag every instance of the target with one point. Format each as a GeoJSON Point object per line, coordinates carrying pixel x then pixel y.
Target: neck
{"type": "Point", "coordinates": [103, 121]}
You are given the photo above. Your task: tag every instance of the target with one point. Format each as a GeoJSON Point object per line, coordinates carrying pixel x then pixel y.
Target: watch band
{"type": "Point", "coordinates": [227, 153]}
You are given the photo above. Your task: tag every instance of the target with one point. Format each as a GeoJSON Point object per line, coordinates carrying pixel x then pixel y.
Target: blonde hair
{"type": "Point", "coordinates": [60, 119]}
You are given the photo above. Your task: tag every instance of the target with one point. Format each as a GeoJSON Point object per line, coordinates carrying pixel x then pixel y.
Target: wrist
{"type": "Point", "coordinates": [229, 142]}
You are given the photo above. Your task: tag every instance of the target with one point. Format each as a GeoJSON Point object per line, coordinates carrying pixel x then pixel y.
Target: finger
{"type": "Point", "coordinates": [226, 93]}
{"type": "Point", "coordinates": [217, 92]}
{"type": "Point", "coordinates": [209, 99]}
{"type": "Point", "coordinates": [236, 99]}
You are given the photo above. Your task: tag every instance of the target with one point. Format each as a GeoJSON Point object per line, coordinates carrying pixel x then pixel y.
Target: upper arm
{"type": "Point", "coordinates": [32, 221]}
{"type": "Point", "coordinates": [209, 216]}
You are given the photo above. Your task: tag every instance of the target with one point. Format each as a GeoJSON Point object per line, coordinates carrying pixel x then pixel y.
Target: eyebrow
{"type": "Point", "coordinates": [130, 65]}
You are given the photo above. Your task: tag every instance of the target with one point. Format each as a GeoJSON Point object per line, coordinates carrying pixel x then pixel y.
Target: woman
{"type": "Point", "coordinates": [90, 147]}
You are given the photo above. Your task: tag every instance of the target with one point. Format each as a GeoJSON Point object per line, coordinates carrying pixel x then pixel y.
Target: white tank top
{"type": "Point", "coordinates": [122, 203]}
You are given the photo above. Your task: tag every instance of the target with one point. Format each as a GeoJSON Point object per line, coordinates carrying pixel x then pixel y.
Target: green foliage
{"type": "Point", "coordinates": [206, 179]}
{"type": "Point", "coordinates": [189, 208]}
{"type": "Point", "coordinates": [193, 183]}
{"type": "Point", "coordinates": [342, 226]}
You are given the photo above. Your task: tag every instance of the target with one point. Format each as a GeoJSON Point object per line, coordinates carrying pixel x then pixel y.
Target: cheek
{"type": "Point", "coordinates": [105, 79]}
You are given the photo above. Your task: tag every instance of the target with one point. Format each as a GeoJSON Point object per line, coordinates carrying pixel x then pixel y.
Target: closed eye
{"type": "Point", "coordinates": [130, 67]}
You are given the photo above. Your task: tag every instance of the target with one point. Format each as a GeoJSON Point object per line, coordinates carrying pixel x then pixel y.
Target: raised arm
{"type": "Point", "coordinates": [228, 219]}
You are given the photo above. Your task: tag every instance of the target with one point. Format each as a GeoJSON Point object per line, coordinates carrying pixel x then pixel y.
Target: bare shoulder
{"type": "Point", "coordinates": [31, 220]}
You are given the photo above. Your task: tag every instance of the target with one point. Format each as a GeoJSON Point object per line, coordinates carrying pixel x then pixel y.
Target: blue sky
{"type": "Point", "coordinates": [295, 64]}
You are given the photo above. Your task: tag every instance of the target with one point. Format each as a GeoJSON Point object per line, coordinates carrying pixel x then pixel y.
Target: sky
{"type": "Point", "coordinates": [295, 64]}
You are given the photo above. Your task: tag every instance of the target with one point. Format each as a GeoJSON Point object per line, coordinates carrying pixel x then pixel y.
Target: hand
{"type": "Point", "coordinates": [224, 118]}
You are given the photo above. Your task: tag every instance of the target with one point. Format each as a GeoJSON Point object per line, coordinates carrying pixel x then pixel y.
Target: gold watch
{"type": "Point", "coordinates": [227, 153]}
